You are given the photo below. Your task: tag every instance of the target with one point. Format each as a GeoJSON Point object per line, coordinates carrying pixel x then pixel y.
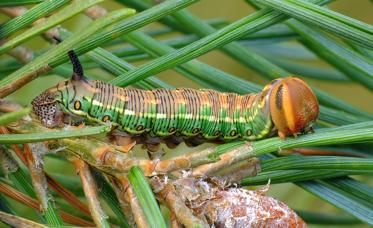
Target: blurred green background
{"type": "Point", "coordinates": [229, 10]}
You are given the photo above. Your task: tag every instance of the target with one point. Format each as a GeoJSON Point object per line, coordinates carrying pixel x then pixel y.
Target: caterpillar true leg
{"type": "Point", "coordinates": [173, 141]}
{"type": "Point", "coordinates": [194, 141]}
{"type": "Point", "coordinates": [124, 140]}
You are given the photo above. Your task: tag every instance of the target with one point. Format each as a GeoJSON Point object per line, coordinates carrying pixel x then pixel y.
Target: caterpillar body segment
{"type": "Point", "coordinates": [286, 105]}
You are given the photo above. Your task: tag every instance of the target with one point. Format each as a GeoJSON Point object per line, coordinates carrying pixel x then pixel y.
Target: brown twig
{"type": "Point", "coordinates": [18, 11]}
{"type": "Point", "coordinates": [22, 54]}
{"type": "Point", "coordinates": [13, 11]}
{"type": "Point", "coordinates": [15, 221]}
{"type": "Point", "coordinates": [67, 195]}
{"type": "Point", "coordinates": [119, 190]}
{"type": "Point", "coordinates": [26, 78]}
{"type": "Point", "coordinates": [8, 164]}
{"type": "Point", "coordinates": [131, 198]}
{"type": "Point", "coordinates": [174, 223]}
{"type": "Point", "coordinates": [25, 55]}
{"type": "Point", "coordinates": [62, 191]}
{"type": "Point", "coordinates": [226, 159]}
{"type": "Point", "coordinates": [8, 106]}
{"type": "Point", "coordinates": [184, 215]}
{"type": "Point", "coordinates": [234, 173]}
{"type": "Point", "coordinates": [16, 149]}
{"type": "Point", "coordinates": [95, 12]}
{"type": "Point", "coordinates": [90, 191]}
{"type": "Point", "coordinates": [321, 152]}
{"type": "Point", "coordinates": [30, 202]}
{"type": "Point", "coordinates": [35, 166]}
{"type": "Point", "coordinates": [50, 33]}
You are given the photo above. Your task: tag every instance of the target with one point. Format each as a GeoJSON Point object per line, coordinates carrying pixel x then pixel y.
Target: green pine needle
{"type": "Point", "coordinates": [146, 198]}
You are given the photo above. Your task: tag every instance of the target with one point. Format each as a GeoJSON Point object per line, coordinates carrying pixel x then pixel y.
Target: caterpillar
{"type": "Point", "coordinates": [286, 106]}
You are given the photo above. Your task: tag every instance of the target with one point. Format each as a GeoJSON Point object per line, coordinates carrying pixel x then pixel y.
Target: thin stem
{"type": "Point", "coordinates": [34, 154]}
{"type": "Point", "coordinates": [90, 191]}
{"type": "Point", "coordinates": [136, 208]}
{"type": "Point", "coordinates": [30, 202]}
{"type": "Point", "coordinates": [183, 214]}
{"type": "Point", "coordinates": [15, 221]}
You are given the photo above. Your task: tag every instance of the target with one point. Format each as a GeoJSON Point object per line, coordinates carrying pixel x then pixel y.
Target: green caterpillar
{"type": "Point", "coordinates": [286, 105]}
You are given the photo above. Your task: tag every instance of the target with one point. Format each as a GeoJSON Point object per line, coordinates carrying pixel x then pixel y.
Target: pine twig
{"type": "Point", "coordinates": [30, 202]}
{"type": "Point", "coordinates": [22, 54]}
{"type": "Point", "coordinates": [62, 191]}
{"type": "Point", "coordinates": [225, 160]}
{"type": "Point", "coordinates": [35, 165]}
{"type": "Point", "coordinates": [184, 215]}
{"type": "Point", "coordinates": [13, 11]}
{"type": "Point", "coordinates": [131, 198]}
{"type": "Point", "coordinates": [67, 195]}
{"type": "Point", "coordinates": [90, 190]}
{"type": "Point", "coordinates": [237, 171]}
{"type": "Point", "coordinates": [70, 197]}
{"type": "Point", "coordinates": [15, 221]}
{"type": "Point", "coordinates": [124, 204]}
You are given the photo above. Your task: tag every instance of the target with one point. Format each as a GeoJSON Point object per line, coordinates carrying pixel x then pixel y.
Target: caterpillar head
{"type": "Point", "coordinates": [293, 106]}
{"type": "Point", "coordinates": [52, 105]}
{"type": "Point", "coordinates": [47, 108]}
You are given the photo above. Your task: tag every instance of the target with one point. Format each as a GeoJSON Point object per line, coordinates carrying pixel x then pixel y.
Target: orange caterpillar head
{"type": "Point", "coordinates": [293, 106]}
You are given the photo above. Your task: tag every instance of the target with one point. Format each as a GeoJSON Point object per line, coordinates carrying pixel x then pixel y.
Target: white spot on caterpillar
{"type": "Point", "coordinates": [96, 102]}
{"type": "Point", "coordinates": [129, 112]}
{"type": "Point", "coordinates": [188, 116]}
{"type": "Point", "coordinates": [161, 116]}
